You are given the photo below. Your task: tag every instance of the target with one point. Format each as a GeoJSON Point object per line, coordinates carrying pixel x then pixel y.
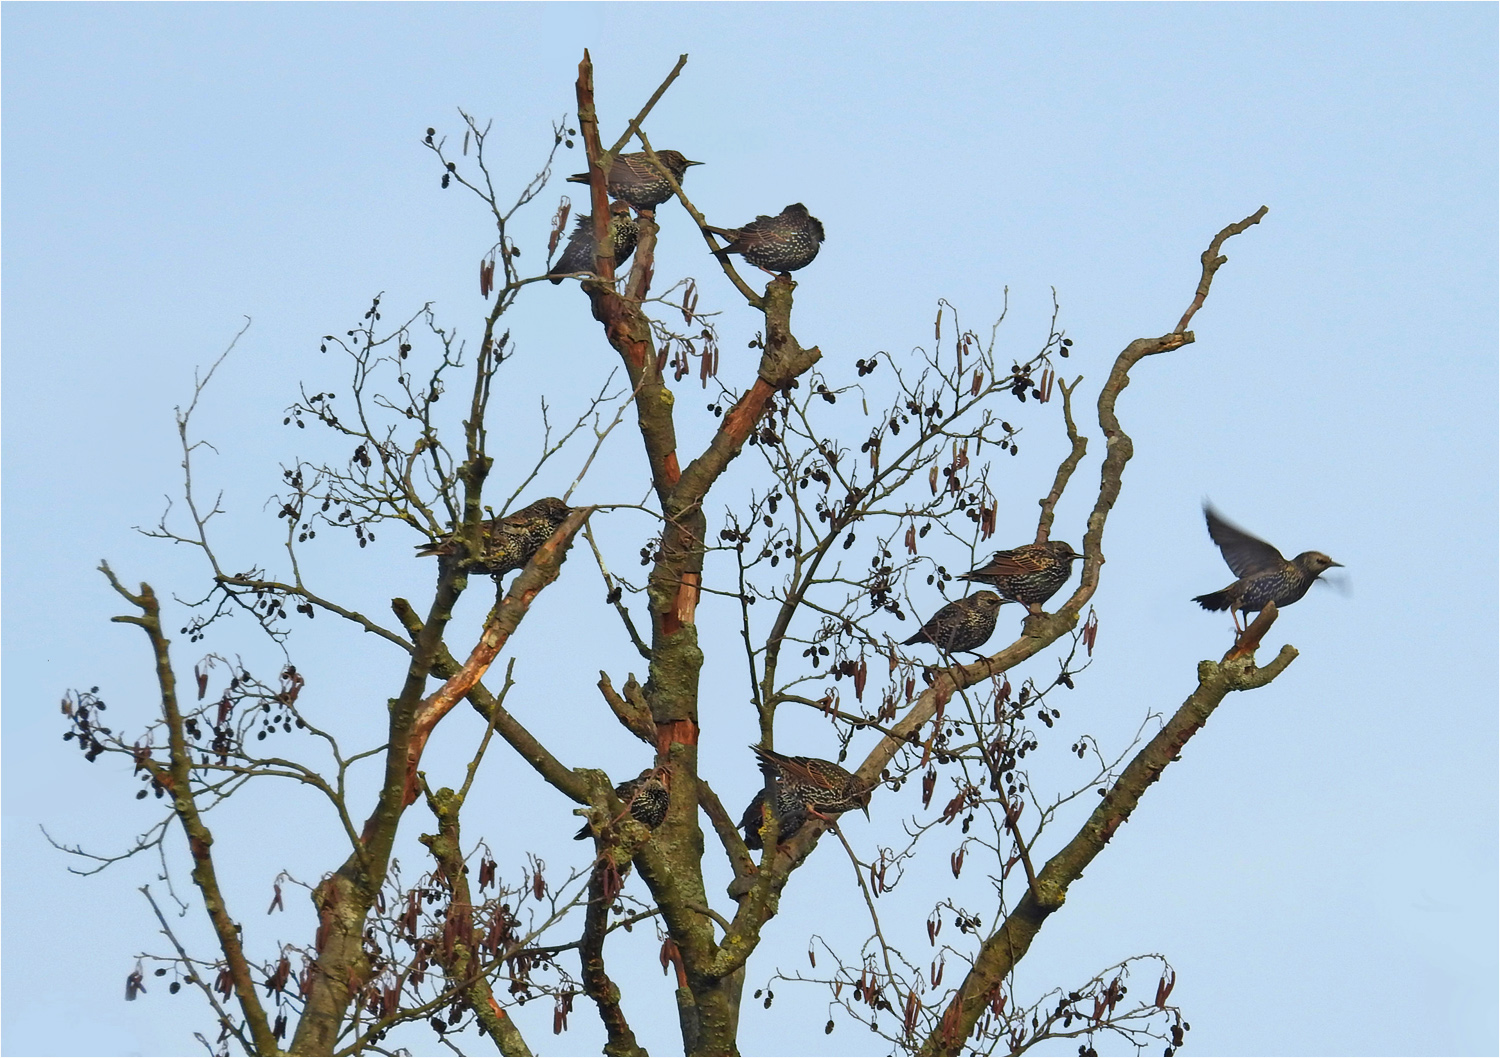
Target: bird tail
{"type": "Point", "coordinates": [583, 832]}
{"type": "Point", "coordinates": [1214, 600]}
{"type": "Point", "coordinates": [723, 233]}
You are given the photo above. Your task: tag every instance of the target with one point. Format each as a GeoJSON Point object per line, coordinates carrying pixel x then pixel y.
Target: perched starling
{"type": "Point", "coordinates": [1030, 574]}
{"type": "Point", "coordinates": [646, 796]}
{"type": "Point", "coordinates": [1264, 575]}
{"type": "Point", "coordinates": [578, 255]}
{"type": "Point", "coordinates": [821, 785]}
{"type": "Point", "coordinates": [791, 813]}
{"type": "Point", "coordinates": [509, 542]}
{"type": "Point", "coordinates": [963, 625]}
{"type": "Point", "coordinates": [633, 178]}
{"type": "Point", "coordinates": [783, 243]}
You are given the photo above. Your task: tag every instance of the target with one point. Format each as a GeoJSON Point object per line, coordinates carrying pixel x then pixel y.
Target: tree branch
{"type": "Point", "coordinates": [1007, 945]}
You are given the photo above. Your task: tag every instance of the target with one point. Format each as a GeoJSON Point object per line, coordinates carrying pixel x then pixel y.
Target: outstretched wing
{"type": "Point", "coordinates": [1245, 554]}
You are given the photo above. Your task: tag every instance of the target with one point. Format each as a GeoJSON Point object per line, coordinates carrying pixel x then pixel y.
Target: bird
{"type": "Point", "coordinates": [1264, 576]}
{"type": "Point", "coordinates": [506, 543]}
{"type": "Point", "coordinates": [791, 813]}
{"type": "Point", "coordinates": [964, 625]}
{"type": "Point", "coordinates": [783, 243]}
{"type": "Point", "coordinates": [578, 255]}
{"type": "Point", "coordinates": [633, 177]}
{"type": "Point", "coordinates": [646, 796]}
{"type": "Point", "coordinates": [820, 785]}
{"type": "Point", "coordinates": [1030, 574]}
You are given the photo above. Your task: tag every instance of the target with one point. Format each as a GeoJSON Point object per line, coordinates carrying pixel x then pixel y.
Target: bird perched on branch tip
{"type": "Point", "coordinates": [633, 177]}
{"type": "Point", "coordinates": [506, 543]}
{"type": "Point", "coordinates": [1264, 576]}
{"type": "Point", "coordinates": [783, 243]}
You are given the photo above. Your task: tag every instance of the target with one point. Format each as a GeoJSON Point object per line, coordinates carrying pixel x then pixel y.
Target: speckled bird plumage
{"type": "Point", "coordinates": [1264, 576]}
{"type": "Point", "coordinates": [790, 812]}
{"type": "Point", "coordinates": [646, 796]}
{"type": "Point", "coordinates": [962, 625]}
{"type": "Point", "coordinates": [578, 255]}
{"type": "Point", "coordinates": [1030, 574]}
{"type": "Point", "coordinates": [508, 543]}
{"type": "Point", "coordinates": [821, 785]}
{"type": "Point", "coordinates": [783, 243]}
{"type": "Point", "coordinates": [633, 178]}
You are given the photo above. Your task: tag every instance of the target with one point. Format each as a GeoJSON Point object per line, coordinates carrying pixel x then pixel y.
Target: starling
{"type": "Point", "coordinates": [1265, 576]}
{"type": "Point", "coordinates": [1030, 574]}
{"type": "Point", "coordinates": [578, 255]}
{"type": "Point", "coordinates": [964, 625]}
{"type": "Point", "coordinates": [508, 543]}
{"type": "Point", "coordinates": [783, 243]}
{"type": "Point", "coordinates": [791, 813]}
{"type": "Point", "coordinates": [819, 784]}
{"type": "Point", "coordinates": [646, 796]}
{"type": "Point", "coordinates": [633, 178]}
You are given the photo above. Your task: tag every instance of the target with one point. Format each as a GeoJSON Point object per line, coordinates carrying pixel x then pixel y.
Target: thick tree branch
{"type": "Point", "coordinates": [1003, 949]}
{"type": "Point", "coordinates": [540, 571]}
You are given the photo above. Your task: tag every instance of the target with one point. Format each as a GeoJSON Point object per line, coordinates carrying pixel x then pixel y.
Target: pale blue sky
{"type": "Point", "coordinates": [1321, 867]}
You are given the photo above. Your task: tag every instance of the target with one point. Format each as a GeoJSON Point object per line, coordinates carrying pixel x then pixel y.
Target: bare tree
{"type": "Point", "coordinates": [816, 545]}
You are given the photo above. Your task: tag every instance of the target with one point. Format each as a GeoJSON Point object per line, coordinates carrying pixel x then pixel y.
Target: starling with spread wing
{"type": "Point", "coordinates": [1264, 576]}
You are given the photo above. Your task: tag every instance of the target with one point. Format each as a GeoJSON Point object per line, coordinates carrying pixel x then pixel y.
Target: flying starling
{"type": "Point", "coordinates": [791, 813]}
{"type": "Point", "coordinates": [821, 785]}
{"type": "Point", "coordinates": [1265, 576]}
{"type": "Point", "coordinates": [646, 796]}
{"type": "Point", "coordinates": [783, 243]}
{"type": "Point", "coordinates": [633, 178]}
{"type": "Point", "coordinates": [507, 543]}
{"type": "Point", "coordinates": [578, 255]}
{"type": "Point", "coordinates": [1030, 574]}
{"type": "Point", "coordinates": [962, 626]}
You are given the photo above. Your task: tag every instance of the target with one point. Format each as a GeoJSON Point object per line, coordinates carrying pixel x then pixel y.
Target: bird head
{"type": "Point", "coordinates": [1315, 562]}
{"type": "Point", "coordinates": [863, 800]}
{"type": "Point", "coordinates": [675, 161]}
{"type": "Point", "coordinates": [1063, 550]}
{"type": "Point", "coordinates": [554, 509]}
{"type": "Point", "coordinates": [620, 208]}
{"type": "Point", "coordinates": [988, 601]}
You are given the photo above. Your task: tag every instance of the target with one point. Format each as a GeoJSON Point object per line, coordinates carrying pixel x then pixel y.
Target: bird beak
{"type": "Point", "coordinates": [692, 163]}
{"type": "Point", "coordinates": [1340, 565]}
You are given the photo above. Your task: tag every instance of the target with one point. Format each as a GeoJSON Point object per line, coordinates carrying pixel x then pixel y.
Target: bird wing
{"type": "Point", "coordinates": [1014, 563]}
{"type": "Point", "coordinates": [1245, 554]}
{"type": "Point", "coordinates": [796, 770]}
